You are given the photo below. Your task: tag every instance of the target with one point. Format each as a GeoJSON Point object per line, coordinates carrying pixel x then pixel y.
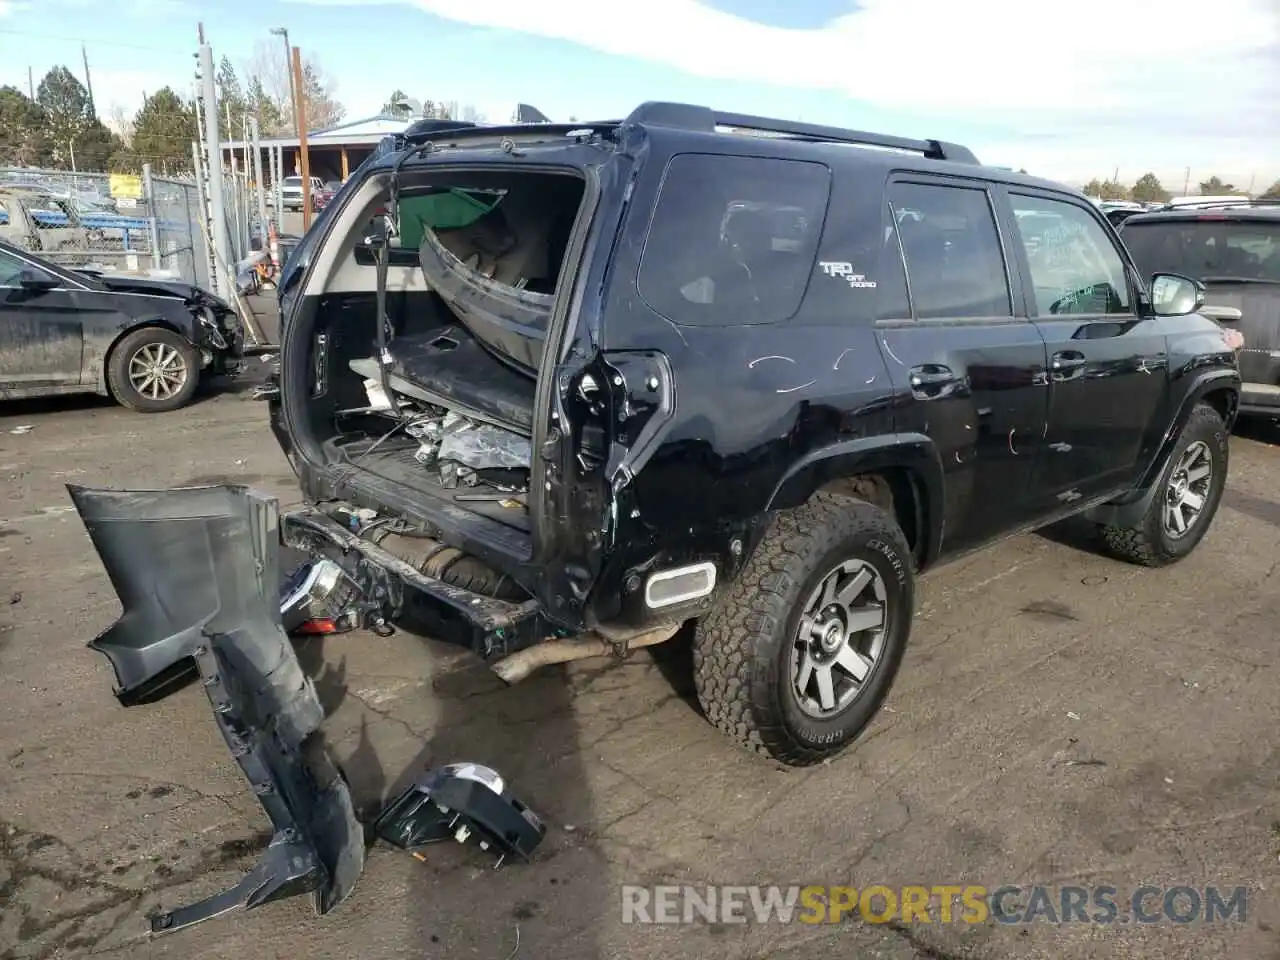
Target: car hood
{"type": "Point", "coordinates": [196, 571]}
{"type": "Point", "coordinates": [163, 288]}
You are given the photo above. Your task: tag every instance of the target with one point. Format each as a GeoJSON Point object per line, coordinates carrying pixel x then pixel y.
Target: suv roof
{"type": "Point", "coordinates": [699, 122]}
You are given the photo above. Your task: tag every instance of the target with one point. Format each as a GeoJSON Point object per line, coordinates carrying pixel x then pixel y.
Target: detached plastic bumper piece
{"type": "Point", "coordinates": [196, 572]}
{"type": "Point", "coordinates": [462, 801]}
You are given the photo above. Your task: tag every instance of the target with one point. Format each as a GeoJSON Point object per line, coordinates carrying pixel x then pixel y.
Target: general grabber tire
{"type": "Point", "coordinates": [827, 595]}
{"type": "Point", "coordinates": [1186, 499]}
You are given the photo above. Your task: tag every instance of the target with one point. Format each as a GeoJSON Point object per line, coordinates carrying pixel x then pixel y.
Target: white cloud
{"type": "Point", "coordinates": [9, 7]}
{"type": "Point", "coordinates": [1111, 74]}
{"type": "Point", "coordinates": [1002, 56]}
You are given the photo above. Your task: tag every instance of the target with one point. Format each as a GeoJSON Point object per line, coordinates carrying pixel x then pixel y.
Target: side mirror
{"type": "Point", "coordinates": [1173, 295]}
{"type": "Point", "coordinates": [37, 282]}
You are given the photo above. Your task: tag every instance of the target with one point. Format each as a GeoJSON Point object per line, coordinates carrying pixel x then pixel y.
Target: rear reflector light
{"type": "Point", "coordinates": [680, 585]}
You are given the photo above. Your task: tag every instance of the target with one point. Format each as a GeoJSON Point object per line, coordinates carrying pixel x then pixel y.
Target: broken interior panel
{"type": "Point", "coordinates": [471, 278]}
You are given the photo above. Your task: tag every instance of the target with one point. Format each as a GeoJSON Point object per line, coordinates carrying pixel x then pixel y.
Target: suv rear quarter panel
{"type": "Point", "coordinates": [753, 403]}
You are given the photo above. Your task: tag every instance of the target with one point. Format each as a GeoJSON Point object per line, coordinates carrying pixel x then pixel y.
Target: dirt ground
{"type": "Point", "coordinates": [1033, 654]}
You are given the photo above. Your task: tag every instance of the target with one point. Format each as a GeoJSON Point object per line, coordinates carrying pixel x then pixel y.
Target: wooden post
{"type": "Point", "coordinates": [346, 165]}
{"type": "Point", "coordinates": [303, 153]}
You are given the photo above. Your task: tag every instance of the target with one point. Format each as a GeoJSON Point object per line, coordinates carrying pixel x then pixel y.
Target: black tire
{"type": "Point", "coordinates": [1149, 542]}
{"type": "Point", "coordinates": [742, 649]}
{"type": "Point", "coordinates": [129, 346]}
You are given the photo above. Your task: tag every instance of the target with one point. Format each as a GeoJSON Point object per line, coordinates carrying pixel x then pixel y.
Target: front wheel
{"type": "Point", "coordinates": [800, 653]}
{"type": "Point", "coordinates": [153, 370]}
{"type": "Point", "coordinates": [1186, 497]}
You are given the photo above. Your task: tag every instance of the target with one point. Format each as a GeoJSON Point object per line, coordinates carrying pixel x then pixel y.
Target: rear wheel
{"type": "Point", "coordinates": [1186, 498]}
{"type": "Point", "coordinates": [153, 370]}
{"type": "Point", "coordinates": [798, 656]}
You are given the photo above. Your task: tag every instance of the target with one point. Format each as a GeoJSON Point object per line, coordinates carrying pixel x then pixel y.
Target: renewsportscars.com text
{"type": "Point", "coordinates": [940, 903]}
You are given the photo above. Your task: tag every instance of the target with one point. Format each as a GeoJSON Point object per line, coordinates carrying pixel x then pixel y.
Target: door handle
{"type": "Point", "coordinates": [931, 381]}
{"type": "Point", "coordinates": [1066, 361]}
{"type": "Point", "coordinates": [931, 376]}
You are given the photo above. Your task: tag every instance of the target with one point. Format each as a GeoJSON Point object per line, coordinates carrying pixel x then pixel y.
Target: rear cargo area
{"type": "Point", "coordinates": [447, 411]}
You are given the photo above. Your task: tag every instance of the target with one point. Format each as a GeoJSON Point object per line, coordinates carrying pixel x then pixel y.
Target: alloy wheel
{"type": "Point", "coordinates": [158, 371]}
{"type": "Point", "coordinates": [1188, 490]}
{"type": "Point", "coordinates": [840, 639]}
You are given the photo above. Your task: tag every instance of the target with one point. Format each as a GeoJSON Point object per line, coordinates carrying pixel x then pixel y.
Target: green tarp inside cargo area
{"type": "Point", "coordinates": [446, 210]}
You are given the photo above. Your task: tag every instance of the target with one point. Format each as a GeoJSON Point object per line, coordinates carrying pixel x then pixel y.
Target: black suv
{"type": "Point", "coordinates": [562, 389]}
{"type": "Point", "coordinates": [1233, 247]}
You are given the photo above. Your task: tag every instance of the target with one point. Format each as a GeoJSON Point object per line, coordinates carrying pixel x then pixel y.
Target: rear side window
{"type": "Point", "coordinates": [955, 267]}
{"type": "Point", "coordinates": [1075, 268]}
{"type": "Point", "coordinates": [733, 239]}
{"type": "Point", "coordinates": [1211, 249]}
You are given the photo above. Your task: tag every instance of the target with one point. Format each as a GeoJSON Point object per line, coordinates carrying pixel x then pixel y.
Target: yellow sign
{"type": "Point", "coordinates": [126, 186]}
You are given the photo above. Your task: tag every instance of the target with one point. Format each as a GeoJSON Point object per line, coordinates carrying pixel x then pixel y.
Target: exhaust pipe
{"type": "Point", "coordinates": [519, 665]}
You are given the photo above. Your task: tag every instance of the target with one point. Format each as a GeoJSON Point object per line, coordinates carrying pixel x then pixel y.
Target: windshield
{"type": "Point", "coordinates": [293, 181]}
{"type": "Point", "coordinates": [1207, 249]}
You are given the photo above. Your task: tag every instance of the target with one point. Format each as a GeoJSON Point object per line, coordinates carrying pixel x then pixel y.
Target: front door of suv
{"type": "Point", "coordinates": [1108, 367]}
{"type": "Point", "coordinates": [967, 363]}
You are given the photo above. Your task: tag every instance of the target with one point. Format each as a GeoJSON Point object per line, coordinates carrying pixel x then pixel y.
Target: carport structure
{"type": "Point", "coordinates": [334, 151]}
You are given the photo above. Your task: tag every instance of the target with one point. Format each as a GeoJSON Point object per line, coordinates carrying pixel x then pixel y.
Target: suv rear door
{"type": "Point", "coordinates": [1108, 367]}
{"type": "Point", "coordinates": [960, 349]}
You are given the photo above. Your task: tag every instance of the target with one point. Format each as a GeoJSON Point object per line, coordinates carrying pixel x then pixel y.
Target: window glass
{"type": "Point", "coordinates": [1210, 250]}
{"type": "Point", "coordinates": [952, 249]}
{"type": "Point", "coordinates": [733, 239]}
{"type": "Point", "coordinates": [1075, 268]}
{"type": "Point", "coordinates": [11, 268]}
{"type": "Point", "coordinates": [894, 303]}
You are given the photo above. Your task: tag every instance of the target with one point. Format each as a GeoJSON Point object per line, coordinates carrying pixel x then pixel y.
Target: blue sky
{"type": "Point", "coordinates": [1022, 83]}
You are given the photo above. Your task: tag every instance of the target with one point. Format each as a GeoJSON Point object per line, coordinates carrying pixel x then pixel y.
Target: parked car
{"type": "Point", "coordinates": [650, 373]}
{"type": "Point", "coordinates": [328, 190]}
{"type": "Point", "coordinates": [41, 222]}
{"type": "Point", "coordinates": [291, 192]}
{"type": "Point", "coordinates": [1233, 247]}
{"type": "Point", "coordinates": [147, 343]}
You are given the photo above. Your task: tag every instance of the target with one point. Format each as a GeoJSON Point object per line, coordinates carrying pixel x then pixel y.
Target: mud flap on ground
{"type": "Point", "coordinates": [196, 573]}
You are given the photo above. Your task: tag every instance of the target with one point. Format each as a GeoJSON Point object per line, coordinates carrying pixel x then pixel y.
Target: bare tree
{"type": "Point", "coordinates": [268, 73]}
{"type": "Point", "coordinates": [270, 69]}
{"type": "Point", "coordinates": [121, 123]}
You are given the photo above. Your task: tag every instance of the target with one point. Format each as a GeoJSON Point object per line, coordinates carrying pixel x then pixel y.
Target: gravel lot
{"type": "Point", "coordinates": [1030, 655]}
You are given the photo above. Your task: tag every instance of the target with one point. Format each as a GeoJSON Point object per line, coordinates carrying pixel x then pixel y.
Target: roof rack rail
{"type": "Point", "coordinates": [690, 117]}
{"type": "Point", "coordinates": [1219, 202]}
{"type": "Point", "coordinates": [515, 131]}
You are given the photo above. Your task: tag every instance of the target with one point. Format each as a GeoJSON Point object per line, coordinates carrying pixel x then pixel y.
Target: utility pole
{"type": "Point", "coordinates": [218, 210]}
{"type": "Point", "coordinates": [31, 83]}
{"type": "Point", "coordinates": [1186, 183]}
{"type": "Point", "coordinates": [88, 83]}
{"type": "Point", "coordinates": [300, 99]}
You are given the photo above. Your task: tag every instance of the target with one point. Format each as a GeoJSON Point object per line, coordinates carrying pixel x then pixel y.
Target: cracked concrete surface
{"type": "Point", "coordinates": [1060, 718]}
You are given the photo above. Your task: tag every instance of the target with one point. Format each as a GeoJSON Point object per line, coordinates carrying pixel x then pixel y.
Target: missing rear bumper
{"type": "Point", "coordinates": [196, 573]}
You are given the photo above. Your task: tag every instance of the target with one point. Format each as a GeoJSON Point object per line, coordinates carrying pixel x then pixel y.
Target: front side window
{"type": "Point", "coordinates": [1075, 268]}
{"type": "Point", "coordinates": [11, 269]}
{"type": "Point", "coordinates": [955, 267]}
{"type": "Point", "coordinates": [733, 240]}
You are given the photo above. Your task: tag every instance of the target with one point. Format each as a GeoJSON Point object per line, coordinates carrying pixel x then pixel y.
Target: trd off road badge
{"type": "Point", "coordinates": [838, 268]}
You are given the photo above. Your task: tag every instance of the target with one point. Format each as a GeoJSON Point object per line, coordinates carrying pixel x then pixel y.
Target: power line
{"type": "Point", "coordinates": [95, 41]}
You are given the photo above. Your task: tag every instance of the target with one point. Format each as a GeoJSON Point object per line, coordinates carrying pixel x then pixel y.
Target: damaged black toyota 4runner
{"type": "Point", "coordinates": [566, 388]}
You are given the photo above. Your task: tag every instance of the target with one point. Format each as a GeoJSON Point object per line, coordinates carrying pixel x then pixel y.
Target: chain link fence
{"type": "Point", "coordinates": [119, 224]}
